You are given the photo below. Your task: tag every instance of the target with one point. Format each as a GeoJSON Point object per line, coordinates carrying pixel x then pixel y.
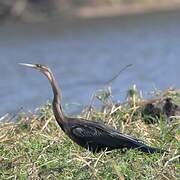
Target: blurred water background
{"type": "Point", "coordinates": [84, 54]}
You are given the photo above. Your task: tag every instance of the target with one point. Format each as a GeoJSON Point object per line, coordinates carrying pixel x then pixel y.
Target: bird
{"type": "Point", "coordinates": [91, 135]}
{"type": "Point", "coordinates": [169, 107]}
{"type": "Point", "coordinates": [151, 113]}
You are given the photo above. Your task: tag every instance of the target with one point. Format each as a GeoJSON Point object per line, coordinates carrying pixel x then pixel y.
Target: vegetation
{"type": "Point", "coordinates": [36, 148]}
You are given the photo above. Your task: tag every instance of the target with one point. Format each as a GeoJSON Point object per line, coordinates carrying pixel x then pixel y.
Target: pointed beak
{"type": "Point", "coordinates": [28, 65]}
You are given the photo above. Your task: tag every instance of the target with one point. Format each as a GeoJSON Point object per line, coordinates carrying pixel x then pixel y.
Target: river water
{"type": "Point", "coordinates": [84, 54]}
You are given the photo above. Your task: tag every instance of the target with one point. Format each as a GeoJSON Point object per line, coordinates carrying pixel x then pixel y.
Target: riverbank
{"type": "Point", "coordinates": [36, 148]}
{"type": "Point", "coordinates": [125, 9]}
{"type": "Point", "coordinates": [38, 11]}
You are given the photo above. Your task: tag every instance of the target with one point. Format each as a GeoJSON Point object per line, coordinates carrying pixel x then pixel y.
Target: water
{"type": "Point", "coordinates": [85, 54]}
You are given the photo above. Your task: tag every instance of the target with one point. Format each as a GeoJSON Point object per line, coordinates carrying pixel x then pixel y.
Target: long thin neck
{"type": "Point", "coordinates": [57, 108]}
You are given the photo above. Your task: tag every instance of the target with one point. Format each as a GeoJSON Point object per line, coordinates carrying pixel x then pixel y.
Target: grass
{"type": "Point", "coordinates": [36, 148]}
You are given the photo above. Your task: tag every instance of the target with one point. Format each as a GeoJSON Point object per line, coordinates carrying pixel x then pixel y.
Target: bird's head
{"type": "Point", "coordinates": [40, 67]}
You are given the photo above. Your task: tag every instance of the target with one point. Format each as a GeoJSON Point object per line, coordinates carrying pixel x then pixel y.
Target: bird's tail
{"type": "Point", "coordinates": [148, 149]}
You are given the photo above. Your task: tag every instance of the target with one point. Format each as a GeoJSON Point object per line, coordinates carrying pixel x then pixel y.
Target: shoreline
{"type": "Point", "coordinates": [35, 147]}
{"type": "Point", "coordinates": [122, 10]}
{"type": "Point", "coordinates": [27, 14]}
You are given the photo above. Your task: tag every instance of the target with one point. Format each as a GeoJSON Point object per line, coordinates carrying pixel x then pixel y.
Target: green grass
{"type": "Point", "coordinates": [36, 148]}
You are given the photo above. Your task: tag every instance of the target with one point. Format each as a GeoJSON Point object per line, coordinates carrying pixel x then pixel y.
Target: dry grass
{"type": "Point", "coordinates": [36, 148]}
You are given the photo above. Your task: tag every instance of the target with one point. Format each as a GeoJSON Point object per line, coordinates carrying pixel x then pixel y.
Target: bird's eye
{"type": "Point", "coordinates": [38, 65]}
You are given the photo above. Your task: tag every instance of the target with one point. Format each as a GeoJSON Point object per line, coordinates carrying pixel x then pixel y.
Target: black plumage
{"type": "Point", "coordinates": [169, 107]}
{"type": "Point", "coordinates": [94, 136]}
{"type": "Point", "coordinates": [151, 113]}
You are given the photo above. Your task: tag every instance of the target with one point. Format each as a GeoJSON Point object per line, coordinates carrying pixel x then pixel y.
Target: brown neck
{"type": "Point", "coordinates": [57, 108]}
